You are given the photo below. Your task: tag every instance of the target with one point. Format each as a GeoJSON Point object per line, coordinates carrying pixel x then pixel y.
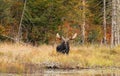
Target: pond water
{"type": "Point", "coordinates": [83, 72]}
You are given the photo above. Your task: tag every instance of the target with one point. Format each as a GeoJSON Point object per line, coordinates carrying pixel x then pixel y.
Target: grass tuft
{"type": "Point", "coordinates": [16, 58]}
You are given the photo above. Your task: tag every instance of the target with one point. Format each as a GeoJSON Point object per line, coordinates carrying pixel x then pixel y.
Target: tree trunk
{"type": "Point", "coordinates": [118, 22]}
{"type": "Point", "coordinates": [84, 23]}
{"type": "Point", "coordinates": [113, 23]}
{"type": "Point", "coordinates": [19, 37]}
{"type": "Point", "coordinates": [104, 22]}
{"type": "Point", "coordinates": [114, 38]}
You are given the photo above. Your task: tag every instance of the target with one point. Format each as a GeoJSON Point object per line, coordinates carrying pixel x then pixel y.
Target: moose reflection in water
{"type": "Point", "coordinates": [64, 46]}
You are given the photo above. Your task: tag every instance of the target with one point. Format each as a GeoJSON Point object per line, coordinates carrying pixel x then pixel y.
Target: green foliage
{"type": "Point", "coordinates": [92, 37]}
{"type": "Point", "coordinates": [95, 35]}
{"type": "Point", "coordinates": [96, 8]}
{"type": "Point", "coordinates": [4, 12]}
{"type": "Point", "coordinates": [48, 15]}
{"type": "Point", "coordinates": [44, 18]}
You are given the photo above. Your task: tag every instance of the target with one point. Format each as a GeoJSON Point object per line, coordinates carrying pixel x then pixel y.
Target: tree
{"type": "Point", "coordinates": [115, 28]}
{"type": "Point", "coordinates": [104, 21]}
{"type": "Point", "coordinates": [84, 23]}
{"type": "Point", "coordinates": [40, 20]}
{"type": "Point", "coordinates": [20, 25]}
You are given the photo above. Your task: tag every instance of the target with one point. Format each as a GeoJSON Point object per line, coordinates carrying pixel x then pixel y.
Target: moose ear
{"type": "Point", "coordinates": [74, 36]}
{"type": "Point", "coordinates": [58, 36]}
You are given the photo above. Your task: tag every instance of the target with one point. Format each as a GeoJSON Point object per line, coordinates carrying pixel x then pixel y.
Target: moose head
{"type": "Point", "coordinates": [64, 46]}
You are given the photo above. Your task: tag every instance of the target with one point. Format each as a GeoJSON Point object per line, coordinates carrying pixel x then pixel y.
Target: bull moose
{"type": "Point", "coordinates": [64, 46]}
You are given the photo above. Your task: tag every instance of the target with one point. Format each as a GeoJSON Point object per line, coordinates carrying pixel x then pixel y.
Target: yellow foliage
{"type": "Point", "coordinates": [2, 29]}
{"type": "Point", "coordinates": [14, 55]}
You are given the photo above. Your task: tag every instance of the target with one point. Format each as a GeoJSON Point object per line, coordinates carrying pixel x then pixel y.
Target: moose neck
{"type": "Point", "coordinates": [65, 44]}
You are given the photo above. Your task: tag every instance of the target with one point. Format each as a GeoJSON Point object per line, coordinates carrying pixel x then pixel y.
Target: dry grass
{"type": "Point", "coordinates": [14, 56]}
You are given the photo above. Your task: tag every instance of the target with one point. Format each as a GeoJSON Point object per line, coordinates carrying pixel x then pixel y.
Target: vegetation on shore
{"type": "Point", "coordinates": [18, 58]}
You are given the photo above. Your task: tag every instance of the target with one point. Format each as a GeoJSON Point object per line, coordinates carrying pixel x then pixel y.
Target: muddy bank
{"type": "Point", "coordinates": [51, 65]}
{"type": "Point", "coordinates": [33, 68]}
{"type": "Point", "coordinates": [68, 72]}
{"type": "Point", "coordinates": [21, 68]}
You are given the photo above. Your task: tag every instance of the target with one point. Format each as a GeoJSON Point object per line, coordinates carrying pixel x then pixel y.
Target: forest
{"type": "Point", "coordinates": [38, 21]}
{"type": "Point", "coordinates": [29, 31]}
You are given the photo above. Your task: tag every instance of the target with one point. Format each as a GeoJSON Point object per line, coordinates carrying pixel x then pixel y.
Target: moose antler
{"type": "Point", "coordinates": [58, 36]}
{"type": "Point", "coordinates": [74, 36]}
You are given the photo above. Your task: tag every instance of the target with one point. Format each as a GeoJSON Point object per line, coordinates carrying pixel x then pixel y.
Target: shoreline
{"type": "Point", "coordinates": [20, 58]}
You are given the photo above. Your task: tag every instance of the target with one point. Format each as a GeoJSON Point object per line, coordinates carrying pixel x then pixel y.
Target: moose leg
{"type": "Point", "coordinates": [58, 49]}
{"type": "Point", "coordinates": [67, 50]}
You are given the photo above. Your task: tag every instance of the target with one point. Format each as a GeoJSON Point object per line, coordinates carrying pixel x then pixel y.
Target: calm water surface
{"type": "Point", "coordinates": [85, 72]}
{"type": "Point", "coordinates": [57, 72]}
